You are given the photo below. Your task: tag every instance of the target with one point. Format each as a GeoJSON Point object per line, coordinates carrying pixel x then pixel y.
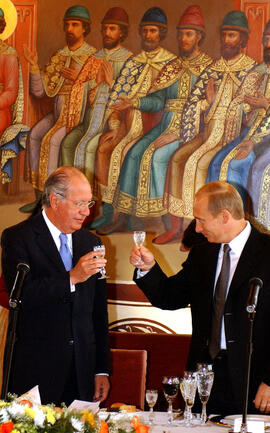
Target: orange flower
{"type": "Point", "coordinates": [103, 427]}
{"type": "Point", "coordinates": [7, 427]}
{"type": "Point", "coordinates": [142, 429]}
{"type": "Point", "coordinates": [135, 422]}
{"type": "Point", "coordinates": [26, 402]}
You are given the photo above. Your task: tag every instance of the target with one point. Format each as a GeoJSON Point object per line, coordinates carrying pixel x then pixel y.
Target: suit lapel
{"type": "Point", "coordinates": [45, 242]}
{"type": "Point", "coordinates": [248, 262]}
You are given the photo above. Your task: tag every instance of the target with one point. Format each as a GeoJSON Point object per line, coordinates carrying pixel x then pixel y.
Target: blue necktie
{"type": "Point", "coordinates": [65, 252]}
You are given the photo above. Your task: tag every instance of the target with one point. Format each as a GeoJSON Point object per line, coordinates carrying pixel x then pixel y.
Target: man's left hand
{"type": "Point", "coordinates": [262, 399]}
{"type": "Point", "coordinates": [102, 386]}
{"type": "Point", "coordinates": [69, 73]}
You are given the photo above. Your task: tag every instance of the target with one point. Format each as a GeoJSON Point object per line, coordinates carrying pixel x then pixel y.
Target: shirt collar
{"type": "Point", "coordinates": [55, 232]}
{"type": "Point", "coordinates": [237, 244]}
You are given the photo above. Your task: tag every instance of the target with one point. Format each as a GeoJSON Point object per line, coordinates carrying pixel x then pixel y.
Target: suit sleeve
{"type": "Point", "coordinates": [167, 293]}
{"type": "Point", "coordinates": [44, 284]}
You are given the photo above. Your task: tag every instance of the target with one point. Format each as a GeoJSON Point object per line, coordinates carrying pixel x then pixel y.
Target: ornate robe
{"type": "Point", "coordinates": [190, 162]}
{"type": "Point", "coordinates": [70, 99]}
{"type": "Point", "coordinates": [79, 146]}
{"type": "Point", "coordinates": [250, 175]}
{"type": "Point", "coordinates": [141, 181]}
{"type": "Point", "coordinates": [135, 81]}
{"type": "Point", "coordinates": [12, 131]}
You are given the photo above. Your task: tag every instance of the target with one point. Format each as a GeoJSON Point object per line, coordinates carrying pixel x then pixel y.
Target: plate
{"type": "Point", "coordinates": [228, 421]}
{"type": "Point", "coordinates": [264, 418]}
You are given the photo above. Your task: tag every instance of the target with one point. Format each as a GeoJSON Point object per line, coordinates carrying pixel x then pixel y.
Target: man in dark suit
{"type": "Point", "coordinates": [219, 215]}
{"type": "Point", "coordinates": [62, 332]}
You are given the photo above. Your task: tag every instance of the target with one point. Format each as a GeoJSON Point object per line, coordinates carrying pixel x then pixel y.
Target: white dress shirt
{"type": "Point", "coordinates": [55, 232]}
{"type": "Point", "coordinates": [236, 248]}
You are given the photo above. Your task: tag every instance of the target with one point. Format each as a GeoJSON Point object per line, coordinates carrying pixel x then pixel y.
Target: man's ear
{"type": "Point", "coordinates": [54, 200]}
{"type": "Point", "coordinates": [225, 216]}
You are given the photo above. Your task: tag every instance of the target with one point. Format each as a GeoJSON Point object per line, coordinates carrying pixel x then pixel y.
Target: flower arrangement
{"type": "Point", "coordinates": [26, 417]}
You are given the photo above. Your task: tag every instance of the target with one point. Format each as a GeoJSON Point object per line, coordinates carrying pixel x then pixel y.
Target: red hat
{"type": "Point", "coordinates": [192, 18]}
{"type": "Point", "coordinates": [116, 16]}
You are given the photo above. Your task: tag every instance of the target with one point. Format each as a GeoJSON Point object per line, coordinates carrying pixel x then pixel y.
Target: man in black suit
{"type": "Point", "coordinates": [219, 215]}
{"type": "Point", "coordinates": [62, 343]}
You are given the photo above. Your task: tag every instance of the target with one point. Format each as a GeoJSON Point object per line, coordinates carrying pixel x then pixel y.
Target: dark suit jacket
{"type": "Point", "coordinates": [194, 286]}
{"type": "Point", "coordinates": [53, 320]}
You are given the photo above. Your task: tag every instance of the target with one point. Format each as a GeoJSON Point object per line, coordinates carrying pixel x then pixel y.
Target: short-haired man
{"type": "Point", "coordinates": [62, 343]}
{"type": "Point", "coordinates": [218, 210]}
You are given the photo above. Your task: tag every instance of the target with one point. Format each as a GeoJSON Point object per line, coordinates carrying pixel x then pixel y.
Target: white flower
{"type": "Point", "coordinates": [5, 417]}
{"type": "Point", "coordinates": [16, 410]}
{"type": "Point", "coordinates": [77, 425]}
{"type": "Point", "coordinates": [40, 416]}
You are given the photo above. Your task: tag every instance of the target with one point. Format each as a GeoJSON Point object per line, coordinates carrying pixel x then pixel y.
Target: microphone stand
{"type": "Point", "coordinates": [15, 304]}
{"type": "Point", "coordinates": [251, 317]}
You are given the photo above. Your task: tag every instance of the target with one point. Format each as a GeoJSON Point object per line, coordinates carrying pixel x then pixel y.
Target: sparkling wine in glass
{"type": "Point", "coordinates": [151, 396]}
{"type": "Point", "coordinates": [102, 270]}
{"type": "Point", "coordinates": [189, 387]}
{"type": "Point", "coordinates": [205, 379]}
{"type": "Point", "coordinates": [139, 238]}
{"type": "Point", "coordinates": [170, 388]}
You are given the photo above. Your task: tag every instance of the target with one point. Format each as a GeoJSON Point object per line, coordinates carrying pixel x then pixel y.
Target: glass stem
{"type": "Point", "coordinates": [170, 412]}
{"type": "Point", "coordinates": [188, 415]}
{"type": "Point", "coordinates": [151, 415]}
{"type": "Point", "coordinates": [203, 415]}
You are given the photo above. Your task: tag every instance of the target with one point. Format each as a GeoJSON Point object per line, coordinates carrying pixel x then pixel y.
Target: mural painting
{"type": "Point", "coordinates": [148, 108]}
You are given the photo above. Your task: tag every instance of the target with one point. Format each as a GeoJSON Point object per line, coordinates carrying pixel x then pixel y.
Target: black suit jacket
{"type": "Point", "coordinates": [194, 286]}
{"type": "Point", "coordinates": [53, 321]}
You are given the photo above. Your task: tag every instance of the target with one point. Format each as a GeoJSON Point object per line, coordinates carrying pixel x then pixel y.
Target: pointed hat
{"type": "Point", "coordinates": [192, 18]}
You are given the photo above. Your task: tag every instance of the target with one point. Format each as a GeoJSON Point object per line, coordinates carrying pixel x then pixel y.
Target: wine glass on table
{"type": "Point", "coordinates": [170, 388]}
{"type": "Point", "coordinates": [139, 238]}
{"type": "Point", "coordinates": [101, 248]}
{"type": "Point", "coordinates": [205, 379]}
{"type": "Point", "coordinates": [188, 388]}
{"type": "Point", "coordinates": [151, 396]}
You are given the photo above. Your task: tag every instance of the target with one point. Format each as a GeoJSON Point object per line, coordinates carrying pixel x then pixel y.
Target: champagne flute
{"type": "Point", "coordinates": [151, 398]}
{"type": "Point", "coordinates": [139, 238]}
{"type": "Point", "coordinates": [170, 389]}
{"type": "Point", "coordinates": [205, 379]}
{"type": "Point", "coordinates": [189, 384]}
{"type": "Point", "coordinates": [102, 270]}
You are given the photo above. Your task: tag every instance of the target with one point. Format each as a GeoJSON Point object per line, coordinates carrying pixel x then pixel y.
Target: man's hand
{"type": "Point", "coordinates": [87, 266]}
{"type": "Point", "coordinates": [165, 139]}
{"type": "Point", "coordinates": [142, 258]}
{"type": "Point", "coordinates": [211, 91]}
{"type": "Point", "coordinates": [244, 149]}
{"type": "Point", "coordinates": [69, 73]}
{"type": "Point", "coordinates": [110, 135]}
{"type": "Point", "coordinates": [262, 399]}
{"type": "Point", "coordinates": [257, 101]}
{"type": "Point", "coordinates": [30, 56]}
{"type": "Point", "coordinates": [105, 73]}
{"type": "Point", "coordinates": [122, 104]}
{"type": "Point", "coordinates": [102, 386]}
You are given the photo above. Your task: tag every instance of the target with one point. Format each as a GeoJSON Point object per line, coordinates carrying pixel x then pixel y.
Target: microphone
{"type": "Point", "coordinates": [255, 285]}
{"type": "Point", "coordinates": [22, 270]}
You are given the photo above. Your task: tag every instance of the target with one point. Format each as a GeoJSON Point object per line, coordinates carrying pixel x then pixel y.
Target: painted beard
{"type": "Point", "coordinates": [266, 55]}
{"type": "Point", "coordinates": [71, 38]}
{"type": "Point", "coordinates": [110, 43]}
{"type": "Point", "coordinates": [186, 52]}
{"type": "Point", "coordinates": [230, 51]}
{"type": "Point", "coordinates": [149, 45]}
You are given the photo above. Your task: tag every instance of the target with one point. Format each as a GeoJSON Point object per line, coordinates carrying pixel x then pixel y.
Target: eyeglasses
{"type": "Point", "coordinates": [79, 204]}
